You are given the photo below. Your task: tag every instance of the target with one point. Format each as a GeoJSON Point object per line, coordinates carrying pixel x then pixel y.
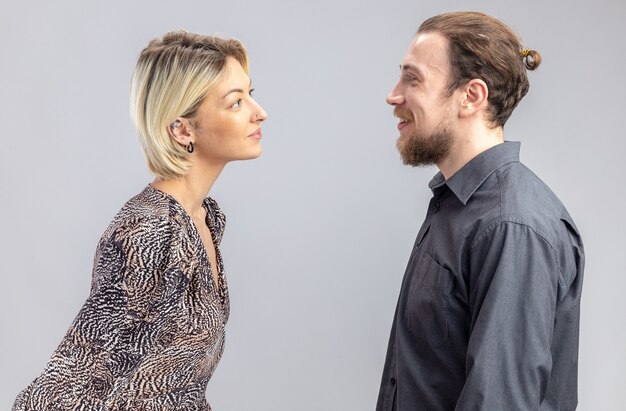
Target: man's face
{"type": "Point", "coordinates": [420, 99]}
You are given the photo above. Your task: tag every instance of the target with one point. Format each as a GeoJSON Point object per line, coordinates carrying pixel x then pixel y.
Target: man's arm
{"type": "Point", "coordinates": [513, 284]}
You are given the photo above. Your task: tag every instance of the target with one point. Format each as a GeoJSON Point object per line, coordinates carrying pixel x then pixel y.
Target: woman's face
{"type": "Point", "coordinates": [227, 124]}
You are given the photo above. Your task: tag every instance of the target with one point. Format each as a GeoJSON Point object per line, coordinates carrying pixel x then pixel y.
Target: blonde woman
{"type": "Point", "coordinates": [152, 329]}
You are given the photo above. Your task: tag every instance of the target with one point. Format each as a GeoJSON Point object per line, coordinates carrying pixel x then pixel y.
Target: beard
{"type": "Point", "coordinates": [420, 149]}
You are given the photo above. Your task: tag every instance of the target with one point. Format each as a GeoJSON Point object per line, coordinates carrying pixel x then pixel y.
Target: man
{"type": "Point", "coordinates": [488, 313]}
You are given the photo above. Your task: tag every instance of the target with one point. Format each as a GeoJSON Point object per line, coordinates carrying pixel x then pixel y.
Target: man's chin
{"type": "Point", "coordinates": [402, 141]}
{"type": "Point", "coordinates": [412, 158]}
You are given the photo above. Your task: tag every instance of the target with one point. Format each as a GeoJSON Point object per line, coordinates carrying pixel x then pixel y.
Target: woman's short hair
{"type": "Point", "coordinates": [172, 76]}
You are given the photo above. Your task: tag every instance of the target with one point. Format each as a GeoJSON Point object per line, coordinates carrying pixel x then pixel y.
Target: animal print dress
{"type": "Point", "coordinates": [151, 332]}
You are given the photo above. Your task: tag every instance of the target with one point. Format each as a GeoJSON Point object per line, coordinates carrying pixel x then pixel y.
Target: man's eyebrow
{"type": "Point", "coordinates": [235, 90]}
{"type": "Point", "coordinates": [410, 67]}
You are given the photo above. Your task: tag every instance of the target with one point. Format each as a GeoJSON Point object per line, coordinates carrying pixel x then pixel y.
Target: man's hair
{"type": "Point", "coordinates": [482, 47]}
{"type": "Point", "coordinates": [172, 77]}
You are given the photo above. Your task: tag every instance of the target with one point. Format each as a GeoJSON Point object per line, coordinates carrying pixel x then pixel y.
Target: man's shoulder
{"type": "Point", "coordinates": [522, 191]}
{"type": "Point", "coordinates": [525, 199]}
{"type": "Point", "coordinates": [528, 207]}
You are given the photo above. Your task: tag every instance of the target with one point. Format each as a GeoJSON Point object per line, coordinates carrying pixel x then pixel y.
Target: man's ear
{"type": "Point", "coordinates": [181, 131]}
{"type": "Point", "coordinates": [474, 98]}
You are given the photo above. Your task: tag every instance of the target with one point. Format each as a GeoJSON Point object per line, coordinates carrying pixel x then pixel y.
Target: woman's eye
{"type": "Point", "coordinates": [251, 91]}
{"type": "Point", "coordinates": [236, 104]}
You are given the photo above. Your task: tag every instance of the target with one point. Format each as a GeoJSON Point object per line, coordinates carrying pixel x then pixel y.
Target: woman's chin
{"type": "Point", "coordinates": [250, 155]}
{"type": "Point", "coordinates": [256, 153]}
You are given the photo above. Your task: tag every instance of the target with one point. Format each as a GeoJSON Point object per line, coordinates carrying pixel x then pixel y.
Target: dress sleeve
{"type": "Point", "coordinates": [513, 290]}
{"type": "Point", "coordinates": [137, 286]}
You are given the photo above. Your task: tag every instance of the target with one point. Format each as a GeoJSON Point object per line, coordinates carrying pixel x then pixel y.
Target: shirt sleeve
{"type": "Point", "coordinates": [513, 285]}
{"type": "Point", "coordinates": [137, 286]}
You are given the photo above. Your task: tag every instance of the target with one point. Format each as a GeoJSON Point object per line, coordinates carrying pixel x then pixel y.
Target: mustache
{"type": "Point", "coordinates": [401, 113]}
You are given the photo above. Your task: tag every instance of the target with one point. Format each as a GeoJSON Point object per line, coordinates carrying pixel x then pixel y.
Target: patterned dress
{"type": "Point", "coordinates": [151, 332]}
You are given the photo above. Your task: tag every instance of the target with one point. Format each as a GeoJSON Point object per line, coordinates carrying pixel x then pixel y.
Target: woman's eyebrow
{"type": "Point", "coordinates": [235, 90]}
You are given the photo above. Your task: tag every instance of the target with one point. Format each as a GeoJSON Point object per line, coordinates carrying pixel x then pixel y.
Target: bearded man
{"type": "Point", "coordinates": [489, 308]}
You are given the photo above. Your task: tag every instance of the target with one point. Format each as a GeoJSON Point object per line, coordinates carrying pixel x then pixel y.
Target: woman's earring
{"type": "Point", "coordinates": [175, 124]}
{"type": "Point", "coordinates": [189, 147]}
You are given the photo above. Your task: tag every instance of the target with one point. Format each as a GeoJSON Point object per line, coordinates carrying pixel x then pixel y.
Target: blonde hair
{"type": "Point", "coordinates": [172, 76]}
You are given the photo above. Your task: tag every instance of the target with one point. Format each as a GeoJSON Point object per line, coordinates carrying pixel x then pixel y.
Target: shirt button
{"type": "Point", "coordinates": [437, 205]}
{"type": "Point", "coordinates": [392, 381]}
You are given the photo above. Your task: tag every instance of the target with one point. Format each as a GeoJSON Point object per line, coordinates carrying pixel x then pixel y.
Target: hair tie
{"type": "Point", "coordinates": [525, 52]}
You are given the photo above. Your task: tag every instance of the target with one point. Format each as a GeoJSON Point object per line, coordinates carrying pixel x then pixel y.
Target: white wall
{"type": "Point", "coordinates": [320, 227]}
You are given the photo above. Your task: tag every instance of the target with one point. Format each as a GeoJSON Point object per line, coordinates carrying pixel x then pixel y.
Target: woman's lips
{"type": "Point", "coordinates": [256, 135]}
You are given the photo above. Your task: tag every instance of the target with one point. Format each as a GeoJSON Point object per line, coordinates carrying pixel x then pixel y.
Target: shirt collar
{"type": "Point", "coordinates": [471, 176]}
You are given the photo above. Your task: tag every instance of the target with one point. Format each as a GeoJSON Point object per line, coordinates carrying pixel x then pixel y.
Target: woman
{"type": "Point", "coordinates": [152, 330]}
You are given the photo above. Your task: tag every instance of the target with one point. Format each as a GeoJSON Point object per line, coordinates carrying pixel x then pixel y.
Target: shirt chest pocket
{"type": "Point", "coordinates": [428, 300]}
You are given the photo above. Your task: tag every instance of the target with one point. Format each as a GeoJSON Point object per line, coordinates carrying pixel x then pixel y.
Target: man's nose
{"type": "Point", "coordinates": [395, 97]}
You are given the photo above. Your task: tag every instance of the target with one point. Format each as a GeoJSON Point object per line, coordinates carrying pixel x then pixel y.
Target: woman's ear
{"type": "Point", "coordinates": [475, 97]}
{"type": "Point", "coordinates": [181, 131]}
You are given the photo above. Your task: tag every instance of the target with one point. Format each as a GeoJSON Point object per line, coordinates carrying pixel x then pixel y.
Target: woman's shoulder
{"type": "Point", "coordinates": [145, 235]}
{"type": "Point", "coordinates": [147, 214]}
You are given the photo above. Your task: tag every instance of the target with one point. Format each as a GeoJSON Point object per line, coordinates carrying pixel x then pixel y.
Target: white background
{"type": "Point", "coordinates": [320, 227]}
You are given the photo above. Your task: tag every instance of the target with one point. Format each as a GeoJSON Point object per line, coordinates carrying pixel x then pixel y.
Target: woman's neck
{"type": "Point", "coordinates": [191, 189]}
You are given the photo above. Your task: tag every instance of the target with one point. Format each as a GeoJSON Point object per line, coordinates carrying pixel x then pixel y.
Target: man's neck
{"type": "Point", "coordinates": [469, 144]}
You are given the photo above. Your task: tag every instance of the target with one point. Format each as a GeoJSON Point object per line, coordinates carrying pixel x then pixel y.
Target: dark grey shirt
{"type": "Point", "coordinates": [488, 313]}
